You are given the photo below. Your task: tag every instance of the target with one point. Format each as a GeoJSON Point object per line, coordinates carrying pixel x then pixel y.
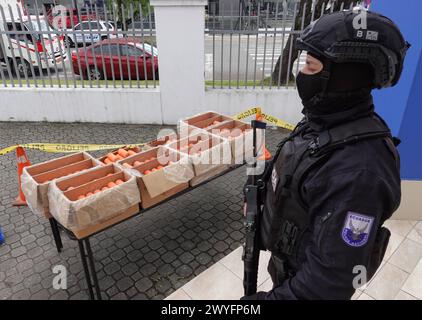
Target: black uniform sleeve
{"type": "Point", "coordinates": [340, 244]}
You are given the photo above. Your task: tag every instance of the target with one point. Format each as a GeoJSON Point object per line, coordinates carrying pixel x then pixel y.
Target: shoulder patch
{"type": "Point", "coordinates": [357, 228]}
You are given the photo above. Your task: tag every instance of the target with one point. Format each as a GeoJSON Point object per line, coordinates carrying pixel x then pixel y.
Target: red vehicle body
{"type": "Point", "coordinates": [122, 58]}
{"type": "Point", "coordinates": [63, 20]}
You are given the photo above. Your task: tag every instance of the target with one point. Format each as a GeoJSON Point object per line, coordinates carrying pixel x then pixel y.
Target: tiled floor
{"type": "Point", "coordinates": [398, 278]}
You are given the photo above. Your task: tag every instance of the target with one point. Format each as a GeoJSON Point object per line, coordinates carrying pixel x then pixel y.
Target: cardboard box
{"type": "Point", "coordinates": [95, 211]}
{"type": "Point", "coordinates": [36, 178]}
{"type": "Point", "coordinates": [206, 120]}
{"type": "Point", "coordinates": [112, 221]}
{"type": "Point", "coordinates": [240, 137]}
{"type": "Point", "coordinates": [164, 140]}
{"type": "Point", "coordinates": [115, 152]}
{"type": "Point", "coordinates": [207, 153]}
{"type": "Point", "coordinates": [162, 183]}
{"type": "Point", "coordinates": [208, 175]}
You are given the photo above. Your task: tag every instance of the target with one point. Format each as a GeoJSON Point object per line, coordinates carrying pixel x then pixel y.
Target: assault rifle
{"type": "Point", "coordinates": [251, 246]}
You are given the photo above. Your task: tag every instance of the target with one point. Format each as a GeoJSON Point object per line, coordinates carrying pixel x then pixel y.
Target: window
{"type": "Point", "coordinates": [108, 49]}
{"type": "Point", "coordinates": [94, 25]}
{"type": "Point", "coordinates": [84, 26]}
{"type": "Point", "coordinates": [37, 25]}
{"type": "Point", "coordinates": [19, 27]}
{"type": "Point", "coordinates": [148, 48]}
{"type": "Point", "coordinates": [131, 51]}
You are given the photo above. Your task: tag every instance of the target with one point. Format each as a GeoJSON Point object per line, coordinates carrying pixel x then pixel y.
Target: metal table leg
{"type": "Point", "coordinates": [92, 265]}
{"type": "Point", "coordinates": [86, 270]}
{"type": "Point", "coordinates": [56, 234]}
{"type": "Point", "coordinates": [89, 267]}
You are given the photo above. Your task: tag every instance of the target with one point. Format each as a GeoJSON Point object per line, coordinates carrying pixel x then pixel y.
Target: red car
{"type": "Point", "coordinates": [117, 58]}
{"type": "Point", "coordinates": [63, 19]}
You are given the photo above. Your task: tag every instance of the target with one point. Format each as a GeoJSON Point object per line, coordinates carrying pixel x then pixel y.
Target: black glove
{"type": "Point", "coordinates": [260, 295]}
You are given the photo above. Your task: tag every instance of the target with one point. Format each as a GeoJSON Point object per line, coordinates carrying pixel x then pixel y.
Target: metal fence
{"type": "Point", "coordinates": [247, 51]}
{"type": "Point", "coordinates": [99, 47]}
{"type": "Point", "coordinates": [62, 47]}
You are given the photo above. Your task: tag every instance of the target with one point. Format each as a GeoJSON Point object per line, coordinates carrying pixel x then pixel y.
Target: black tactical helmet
{"type": "Point", "coordinates": [381, 44]}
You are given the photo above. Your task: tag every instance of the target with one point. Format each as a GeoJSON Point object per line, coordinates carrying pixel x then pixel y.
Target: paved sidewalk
{"type": "Point", "coordinates": [148, 257]}
{"type": "Point", "coordinates": [399, 276]}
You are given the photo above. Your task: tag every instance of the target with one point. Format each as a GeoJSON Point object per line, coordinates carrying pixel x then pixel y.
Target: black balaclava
{"type": "Point", "coordinates": [347, 93]}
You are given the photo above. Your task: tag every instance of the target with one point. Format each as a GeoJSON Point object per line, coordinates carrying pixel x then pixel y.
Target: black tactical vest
{"type": "Point", "coordinates": [285, 217]}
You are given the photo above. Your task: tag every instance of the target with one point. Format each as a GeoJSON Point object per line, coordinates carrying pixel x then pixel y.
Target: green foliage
{"type": "Point", "coordinates": [124, 8]}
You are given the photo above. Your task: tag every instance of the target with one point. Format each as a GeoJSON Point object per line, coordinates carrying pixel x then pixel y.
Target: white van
{"type": "Point", "coordinates": [22, 50]}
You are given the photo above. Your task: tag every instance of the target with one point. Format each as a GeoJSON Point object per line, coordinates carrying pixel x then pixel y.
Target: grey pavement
{"type": "Point", "coordinates": [148, 257]}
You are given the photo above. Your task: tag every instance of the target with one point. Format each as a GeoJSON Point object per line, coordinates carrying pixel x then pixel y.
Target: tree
{"type": "Point", "coordinates": [308, 12]}
{"type": "Point", "coordinates": [124, 9]}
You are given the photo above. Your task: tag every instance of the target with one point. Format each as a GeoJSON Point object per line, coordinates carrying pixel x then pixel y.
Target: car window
{"type": "Point", "coordinates": [110, 26]}
{"type": "Point", "coordinates": [94, 25]}
{"type": "Point", "coordinates": [131, 51]}
{"type": "Point", "coordinates": [37, 25]}
{"type": "Point", "coordinates": [148, 48]}
{"type": "Point", "coordinates": [108, 49]}
{"type": "Point", "coordinates": [18, 27]}
{"type": "Point", "coordinates": [84, 26]}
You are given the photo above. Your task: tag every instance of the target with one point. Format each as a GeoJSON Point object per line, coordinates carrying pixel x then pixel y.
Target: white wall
{"type": "Point", "coordinates": [144, 106]}
{"type": "Point", "coordinates": [283, 103]}
{"type": "Point", "coordinates": [81, 104]}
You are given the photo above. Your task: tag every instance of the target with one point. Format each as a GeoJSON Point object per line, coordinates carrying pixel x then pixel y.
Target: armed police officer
{"type": "Point", "coordinates": [336, 179]}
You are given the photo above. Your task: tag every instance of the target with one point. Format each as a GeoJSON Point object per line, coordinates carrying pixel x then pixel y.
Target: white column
{"type": "Point", "coordinates": [180, 40]}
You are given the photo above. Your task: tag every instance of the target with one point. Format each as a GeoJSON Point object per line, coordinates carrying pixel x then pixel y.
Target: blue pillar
{"type": "Point", "coordinates": [401, 106]}
{"type": "Point", "coordinates": [411, 130]}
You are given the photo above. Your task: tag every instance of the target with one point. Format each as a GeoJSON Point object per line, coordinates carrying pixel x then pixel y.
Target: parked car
{"type": "Point", "coordinates": [89, 35]}
{"type": "Point", "coordinates": [139, 26]}
{"type": "Point", "coordinates": [62, 18]}
{"type": "Point", "coordinates": [22, 50]}
{"type": "Point", "coordinates": [116, 57]}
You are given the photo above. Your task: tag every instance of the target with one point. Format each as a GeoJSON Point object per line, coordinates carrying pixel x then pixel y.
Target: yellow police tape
{"type": "Point", "coordinates": [69, 148]}
{"type": "Point", "coordinates": [66, 148]}
{"type": "Point", "coordinates": [266, 117]}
